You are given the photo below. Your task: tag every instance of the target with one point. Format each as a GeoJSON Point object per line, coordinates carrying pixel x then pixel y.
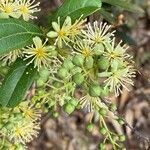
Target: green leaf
{"type": "Point", "coordinates": [126, 38]}
{"type": "Point", "coordinates": [15, 34]}
{"type": "Point", "coordinates": [107, 16]}
{"type": "Point", "coordinates": [125, 5]}
{"type": "Point", "coordinates": [76, 8]}
{"type": "Point", "coordinates": [16, 83]}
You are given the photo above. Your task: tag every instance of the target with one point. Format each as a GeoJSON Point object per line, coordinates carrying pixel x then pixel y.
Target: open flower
{"type": "Point", "coordinates": [115, 52]}
{"type": "Point", "coordinates": [91, 103]}
{"type": "Point", "coordinates": [20, 124]}
{"type": "Point", "coordinates": [11, 56]}
{"type": "Point", "coordinates": [23, 131]}
{"type": "Point", "coordinates": [118, 78]}
{"type": "Point", "coordinates": [76, 28]}
{"type": "Point", "coordinates": [61, 33]}
{"type": "Point", "coordinates": [8, 9]}
{"type": "Point", "coordinates": [38, 53]}
{"type": "Point", "coordinates": [98, 33]}
{"type": "Point", "coordinates": [26, 9]}
{"type": "Point", "coordinates": [29, 112]}
{"type": "Point", "coordinates": [84, 47]}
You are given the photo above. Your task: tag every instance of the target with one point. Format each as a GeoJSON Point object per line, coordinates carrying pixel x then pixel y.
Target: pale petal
{"type": "Point", "coordinates": [38, 42]}
{"type": "Point", "coordinates": [4, 15]}
{"type": "Point", "coordinates": [67, 22]}
{"type": "Point", "coordinates": [56, 26]}
{"type": "Point", "coordinates": [52, 34]}
{"type": "Point", "coordinates": [26, 17]}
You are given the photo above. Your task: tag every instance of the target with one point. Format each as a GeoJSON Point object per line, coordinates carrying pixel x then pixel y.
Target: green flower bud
{"type": "Point", "coordinates": [120, 121]}
{"type": "Point", "coordinates": [102, 146]}
{"type": "Point", "coordinates": [69, 108]}
{"type": "Point", "coordinates": [113, 107]}
{"type": "Point", "coordinates": [54, 53]}
{"type": "Point", "coordinates": [57, 84]}
{"type": "Point", "coordinates": [115, 137]}
{"type": "Point", "coordinates": [98, 49]}
{"type": "Point", "coordinates": [74, 102]}
{"type": "Point", "coordinates": [68, 64]}
{"type": "Point", "coordinates": [38, 105]}
{"type": "Point", "coordinates": [75, 70]}
{"type": "Point", "coordinates": [40, 83]}
{"type": "Point", "coordinates": [122, 138]}
{"type": "Point", "coordinates": [78, 60]}
{"type": "Point", "coordinates": [103, 111]}
{"type": "Point", "coordinates": [89, 62]}
{"type": "Point", "coordinates": [55, 114]}
{"type": "Point", "coordinates": [95, 90]}
{"type": "Point", "coordinates": [89, 127]}
{"type": "Point", "coordinates": [78, 78]}
{"type": "Point", "coordinates": [51, 103]}
{"type": "Point", "coordinates": [62, 73]}
{"type": "Point", "coordinates": [44, 73]}
{"type": "Point", "coordinates": [105, 92]}
{"type": "Point", "coordinates": [103, 131]}
{"type": "Point", "coordinates": [103, 63]}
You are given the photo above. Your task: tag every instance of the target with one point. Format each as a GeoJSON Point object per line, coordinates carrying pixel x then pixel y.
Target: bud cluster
{"type": "Point", "coordinates": [79, 65]}
{"type": "Point", "coordinates": [19, 125]}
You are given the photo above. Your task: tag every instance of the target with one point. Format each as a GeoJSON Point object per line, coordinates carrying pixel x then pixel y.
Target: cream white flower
{"type": "Point", "coordinates": [8, 9]}
{"type": "Point", "coordinates": [76, 28]}
{"type": "Point", "coordinates": [23, 131]}
{"type": "Point", "coordinates": [119, 78]}
{"type": "Point", "coordinates": [39, 53]}
{"type": "Point", "coordinates": [61, 33]}
{"type": "Point", "coordinates": [11, 56]}
{"type": "Point", "coordinates": [91, 103]}
{"type": "Point", "coordinates": [20, 124]}
{"type": "Point", "coordinates": [84, 47]}
{"type": "Point", "coordinates": [98, 33]}
{"type": "Point", "coordinates": [116, 52]}
{"type": "Point", "coordinates": [26, 9]}
{"type": "Point", "coordinates": [29, 112]}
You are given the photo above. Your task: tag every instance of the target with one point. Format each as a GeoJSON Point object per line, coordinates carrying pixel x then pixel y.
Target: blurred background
{"type": "Point", "coordinates": [69, 132]}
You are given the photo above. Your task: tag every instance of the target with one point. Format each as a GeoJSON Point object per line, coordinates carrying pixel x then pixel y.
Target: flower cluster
{"type": "Point", "coordinates": [20, 124]}
{"type": "Point", "coordinates": [90, 66]}
{"type": "Point", "coordinates": [82, 55]}
{"type": "Point", "coordinates": [96, 53]}
{"type": "Point", "coordinates": [39, 53]}
{"type": "Point", "coordinates": [79, 65]}
{"type": "Point", "coordinates": [18, 8]}
{"type": "Point", "coordinates": [66, 33]}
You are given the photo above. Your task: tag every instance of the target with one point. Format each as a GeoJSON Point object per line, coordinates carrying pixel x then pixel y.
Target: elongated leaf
{"type": "Point", "coordinates": [76, 8]}
{"type": "Point", "coordinates": [125, 5]}
{"type": "Point", "coordinates": [16, 83]}
{"type": "Point", "coordinates": [15, 34]}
